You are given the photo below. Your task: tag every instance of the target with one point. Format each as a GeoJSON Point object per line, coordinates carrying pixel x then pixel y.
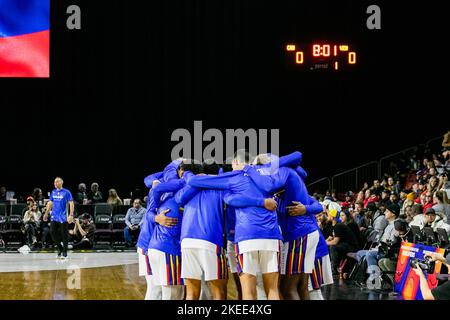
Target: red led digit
{"type": "Point", "coordinates": [335, 50]}
{"type": "Point", "coordinates": [352, 57]}
{"type": "Point", "coordinates": [326, 50]}
{"type": "Point", "coordinates": [316, 50]}
{"type": "Point", "coordinates": [336, 65]}
{"type": "Point", "coordinates": [299, 57]}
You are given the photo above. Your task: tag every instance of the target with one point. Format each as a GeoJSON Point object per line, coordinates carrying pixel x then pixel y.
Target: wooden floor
{"type": "Point", "coordinates": [106, 283]}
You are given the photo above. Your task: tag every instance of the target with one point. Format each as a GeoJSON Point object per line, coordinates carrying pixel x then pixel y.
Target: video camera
{"type": "Point", "coordinates": [425, 264]}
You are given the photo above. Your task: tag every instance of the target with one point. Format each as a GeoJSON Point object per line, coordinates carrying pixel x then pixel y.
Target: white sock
{"type": "Point", "coordinates": [172, 292]}
{"type": "Point", "coordinates": [316, 295]}
{"type": "Point", "coordinates": [153, 290]}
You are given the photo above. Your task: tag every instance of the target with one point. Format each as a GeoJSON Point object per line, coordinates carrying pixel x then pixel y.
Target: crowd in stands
{"type": "Point", "coordinates": [35, 225]}
{"type": "Point", "coordinates": [375, 219]}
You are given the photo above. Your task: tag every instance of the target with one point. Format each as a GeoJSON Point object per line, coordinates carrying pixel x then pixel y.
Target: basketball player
{"type": "Point", "coordinates": [60, 199]}
{"type": "Point", "coordinates": [256, 230]}
{"type": "Point", "coordinates": [202, 244]}
{"type": "Point", "coordinates": [164, 247]}
{"type": "Point", "coordinates": [298, 225]}
{"type": "Point", "coordinates": [153, 291]}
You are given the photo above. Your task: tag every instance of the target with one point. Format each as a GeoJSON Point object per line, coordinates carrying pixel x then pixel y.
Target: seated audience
{"type": "Point", "coordinates": [133, 220]}
{"type": "Point", "coordinates": [31, 220]}
{"type": "Point", "coordinates": [38, 197]}
{"type": "Point", "coordinates": [388, 263]}
{"type": "Point", "coordinates": [341, 242]}
{"type": "Point", "coordinates": [347, 219]}
{"type": "Point", "coordinates": [83, 232]}
{"type": "Point", "coordinates": [113, 198]}
{"type": "Point", "coordinates": [442, 204]}
{"type": "Point", "coordinates": [95, 196]}
{"type": "Point", "coordinates": [391, 214]}
{"type": "Point", "coordinates": [81, 196]}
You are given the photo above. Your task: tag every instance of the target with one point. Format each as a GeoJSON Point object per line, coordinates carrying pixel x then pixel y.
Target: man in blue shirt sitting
{"type": "Point", "coordinates": [133, 220]}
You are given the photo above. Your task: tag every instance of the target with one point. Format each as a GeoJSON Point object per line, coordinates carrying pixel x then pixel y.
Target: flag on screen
{"type": "Point", "coordinates": [25, 38]}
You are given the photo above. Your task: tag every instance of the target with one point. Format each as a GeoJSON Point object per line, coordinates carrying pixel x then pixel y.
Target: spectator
{"type": "Point", "coordinates": [31, 221]}
{"type": "Point", "coordinates": [441, 292]}
{"type": "Point", "coordinates": [360, 197]}
{"type": "Point", "coordinates": [358, 215]}
{"type": "Point", "coordinates": [324, 225]}
{"type": "Point", "coordinates": [444, 183]}
{"type": "Point", "coordinates": [133, 220]}
{"type": "Point", "coordinates": [95, 196]}
{"type": "Point", "coordinates": [391, 214]}
{"type": "Point", "coordinates": [30, 202]}
{"type": "Point", "coordinates": [379, 222]}
{"type": "Point", "coordinates": [434, 220]}
{"type": "Point", "coordinates": [372, 197]}
{"type": "Point", "coordinates": [113, 198]}
{"type": "Point", "coordinates": [38, 197]}
{"type": "Point", "coordinates": [390, 184]}
{"type": "Point", "coordinates": [2, 194]}
{"type": "Point", "coordinates": [81, 197]}
{"type": "Point", "coordinates": [385, 194]}
{"type": "Point", "coordinates": [348, 203]}
{"type": "Point", "coordinates": [417, 215]}
{"type": "Point", "coordinates": [402, 196]}
{"type": "Point", "coordinates": [389, 262]}
{"type": "Point", "coordinates": [408, 213]}
{"type": "Point", "coordinates": [377, 187]}
{"type": "Point", "coordinates": [446, 141]}
{"type": "Point", "coordinates": [428, 203]}
{"type": "Point", "coordinates": [442, 204]}
{"type": "Point", "coordinates": [347, 219]}
{"type": "Point", "coordinates": [433, 184]}
{"type": "Point", "coordinates": [408, 202]}
{"type": "Point", "coordinates": [393, 198]}
{"type": "Point", "coordinates": [83, 233]}
{"type": "Point", "coordinates": [341, 242]}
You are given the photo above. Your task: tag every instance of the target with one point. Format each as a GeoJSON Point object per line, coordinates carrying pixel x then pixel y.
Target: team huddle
{"type": "Point", "coordinates": [254, 219]}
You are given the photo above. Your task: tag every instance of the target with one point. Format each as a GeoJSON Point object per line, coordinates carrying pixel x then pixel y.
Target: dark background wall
{"type": "Point", "coordinates": [140, 69]}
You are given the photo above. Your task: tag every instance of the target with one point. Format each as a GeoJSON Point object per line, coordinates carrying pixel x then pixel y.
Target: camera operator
{"type": "Point", "coordinates": [391, 214]}
{"type": "Point", "coordinates": [388, 258]}
{"type": "Point", "coordinates": [441, 292]}
{"type": "Point", "coordinates": [83, 232]}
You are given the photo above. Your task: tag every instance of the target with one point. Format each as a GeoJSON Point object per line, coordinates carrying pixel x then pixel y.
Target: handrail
{"type": "Point", "coordinates": [379, 162]}
{"type": "Point", "coordinates": [319, 181]}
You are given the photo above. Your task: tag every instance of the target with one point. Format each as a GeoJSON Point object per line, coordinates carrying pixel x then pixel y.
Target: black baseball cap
{"type": "Point", "coordinates": [394, 208]}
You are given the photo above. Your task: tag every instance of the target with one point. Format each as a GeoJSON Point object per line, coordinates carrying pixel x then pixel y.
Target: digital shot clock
{"type": "Point", "coordinates": [327, 56]}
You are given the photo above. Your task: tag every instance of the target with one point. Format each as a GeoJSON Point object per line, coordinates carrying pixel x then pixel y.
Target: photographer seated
{"type": "Point", "coordinates": [388, 263]}
{"type": "Point", "coordinates": [83, 232]}
{"type": "Point", "coordinates": [372, 256]}
{"type": "Point", "coordinates": [441, 292]}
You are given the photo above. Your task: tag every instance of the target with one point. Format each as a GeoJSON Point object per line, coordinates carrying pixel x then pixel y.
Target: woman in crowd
{"type": "Point", "coordinates": [347, 219]}
{"type": "Point", "coordinates": [31, 221]}
{"type": "Point", "coordinates": [38, 197]}
{"type": "Point", "coordinates": [113, 198]}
